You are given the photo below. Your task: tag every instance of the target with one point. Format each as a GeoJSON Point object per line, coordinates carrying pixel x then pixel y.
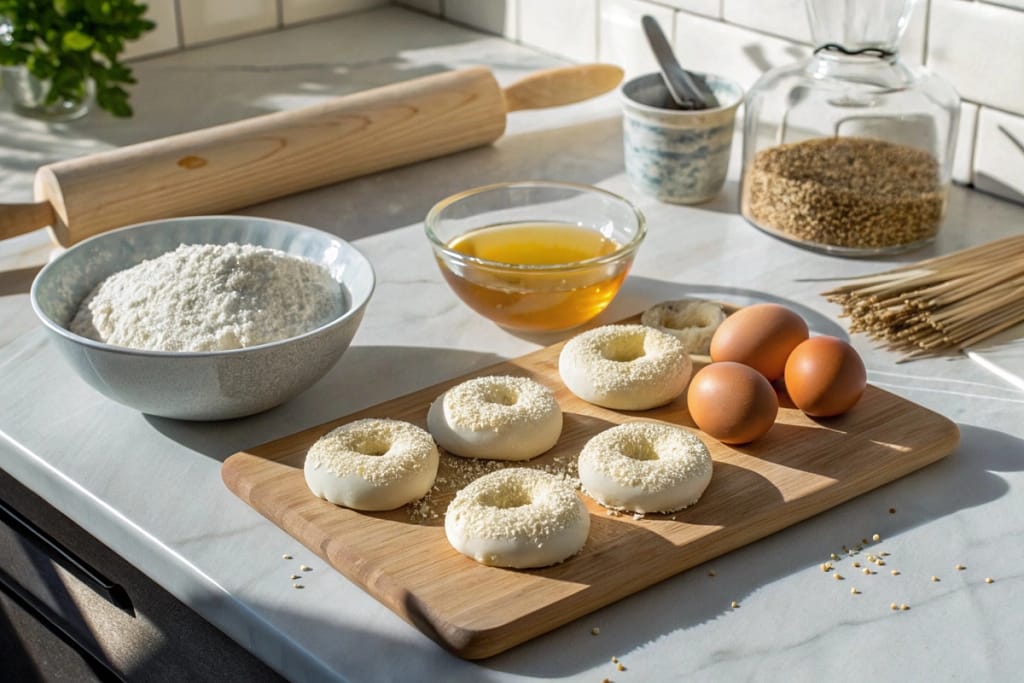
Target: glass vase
{"type": "Point", "coordinates": [28, 97]}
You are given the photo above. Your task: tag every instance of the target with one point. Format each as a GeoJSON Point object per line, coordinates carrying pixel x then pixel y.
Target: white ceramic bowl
{"type": "Point", "coordinates": [211, 385]}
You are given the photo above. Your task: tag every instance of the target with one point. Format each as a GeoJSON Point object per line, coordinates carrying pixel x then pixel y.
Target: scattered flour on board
{"type": "Point", "coordinates": [210, 297]}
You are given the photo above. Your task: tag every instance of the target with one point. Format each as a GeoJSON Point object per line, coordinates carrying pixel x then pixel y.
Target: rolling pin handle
{"type": "Point", "coordinates": [561, 85]}
{"type": "Point", "coordinates": [18, 219]}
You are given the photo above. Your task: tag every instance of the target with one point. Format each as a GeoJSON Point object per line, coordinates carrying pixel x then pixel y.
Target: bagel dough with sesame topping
{"type": "Point", "coordinates": [517, 517]}
{"type": "Point", "coordinates": [691, 321]}
{"type": "Point", "coordinates": [372, 464]}
{"type": "Point", "coordinates": [645, 467]}
{"type": "Point", "coordinates": [625, 367]}
{"type": "Point", "coordinates": [496, 418]}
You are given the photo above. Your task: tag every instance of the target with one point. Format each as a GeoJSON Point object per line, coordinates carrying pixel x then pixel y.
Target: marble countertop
{"type": "Point", "coordinates": [150, 488]}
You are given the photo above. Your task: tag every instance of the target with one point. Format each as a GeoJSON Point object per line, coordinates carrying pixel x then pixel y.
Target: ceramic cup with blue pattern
{"type": "Point", "coordinates": [676, 155]}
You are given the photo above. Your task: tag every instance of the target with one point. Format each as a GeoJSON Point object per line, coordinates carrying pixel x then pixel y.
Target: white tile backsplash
{"type": "Point", "coordinates": [977, 45]}
{"type": "Point", "coordinates": [999, 154]}
{"type": "Point", "coordinates": [980, 49]}
{"type": "Point", "coordinates": [203, 21]}
{"type": "Point", "coordinates": [163, 38]}
{"type": "Point", "coordinates": [622, 39]}
{"type": "Point", "coordinates": [731, 51]}
{"type": "Point", "coordinates": [709, 8]}
{"type": "Point", "coordinates": [963, 156]}
{"type": "Point", "coordinates": [564, 27]}
{"type": "Point", "coordinates": [1015, 4]}
{"type": "Point", "coordinates": [295, 11]}
{"type": "Point", "coordinates": [785, 18]}
{"type": "Point", "coordinates": [499, 17]}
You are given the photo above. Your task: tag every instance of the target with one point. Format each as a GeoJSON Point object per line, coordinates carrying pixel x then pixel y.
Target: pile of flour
{"type": "Point", "coordinates": [210, 297]}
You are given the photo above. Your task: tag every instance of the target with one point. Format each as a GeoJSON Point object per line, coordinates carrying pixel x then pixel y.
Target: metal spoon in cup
{"type": "Point", "coordinates": [687, 91]}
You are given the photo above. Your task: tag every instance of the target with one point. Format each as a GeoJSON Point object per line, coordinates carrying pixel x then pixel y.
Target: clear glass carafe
{"type": "Point", "coordinates": [849, 151]}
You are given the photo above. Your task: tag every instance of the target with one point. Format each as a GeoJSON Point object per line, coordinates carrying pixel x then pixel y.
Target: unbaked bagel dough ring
{"type": "Point", "coordinates": [517, 517]}
{"type": "Point", "coordinates": [645, 467]}
{"type": "Point", "coordinates": [496, 418]}
{"type": "Point", "coordinates": [625, 367]}
{"type": "Point", "coordinates": [691, 321]}
{"type": "Point", "coordinates": [372, 464]}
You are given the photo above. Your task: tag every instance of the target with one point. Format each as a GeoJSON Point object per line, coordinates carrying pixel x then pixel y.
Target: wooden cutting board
{"type": "Point", "coordinates": [800, 468]}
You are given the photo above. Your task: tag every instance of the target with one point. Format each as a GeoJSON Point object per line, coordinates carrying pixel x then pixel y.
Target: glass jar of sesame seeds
{"type": "Point", "coordinates": [849, 151]}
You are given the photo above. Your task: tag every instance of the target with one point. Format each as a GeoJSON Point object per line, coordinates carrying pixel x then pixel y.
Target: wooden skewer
{"type": "Point", "coordinates": [940, 305]}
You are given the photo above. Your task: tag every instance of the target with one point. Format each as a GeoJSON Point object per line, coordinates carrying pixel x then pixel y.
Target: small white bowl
{"type": "Point", "coordinates": [208, 385]}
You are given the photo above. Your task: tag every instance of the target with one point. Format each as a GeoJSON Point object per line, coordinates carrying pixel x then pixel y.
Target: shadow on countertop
{"type": "Point", "coordinates": [353, 384]}
{"type": "Point", "coordinates": [588, 152]}
{"type": "Point", "coordinates": [640, 292]}
{"type": "Point", "coordinates": [966, 479]}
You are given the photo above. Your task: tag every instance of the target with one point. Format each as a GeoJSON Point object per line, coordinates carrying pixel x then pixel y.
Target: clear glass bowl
{"type": "Point", "coordinates": [535, 256]}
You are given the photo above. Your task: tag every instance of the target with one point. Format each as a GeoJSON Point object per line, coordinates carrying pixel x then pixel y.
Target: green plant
{"type": "Point", "coordinates": [69, 42]}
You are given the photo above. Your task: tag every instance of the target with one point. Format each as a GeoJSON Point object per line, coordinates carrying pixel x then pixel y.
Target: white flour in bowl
{"type": "Point", "coordinates": [210, 297]}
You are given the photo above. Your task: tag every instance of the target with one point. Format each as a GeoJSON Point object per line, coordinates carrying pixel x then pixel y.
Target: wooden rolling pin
{"type": "Point", "coordinates": [238, 164]}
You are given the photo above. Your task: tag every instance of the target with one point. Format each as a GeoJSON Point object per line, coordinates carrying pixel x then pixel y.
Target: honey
{"type": "Point", "coordinates": [527, 298]}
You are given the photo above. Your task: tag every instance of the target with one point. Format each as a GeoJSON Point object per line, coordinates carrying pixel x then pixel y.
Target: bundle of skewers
{"type": "Point", "coordinates": [941, 305]}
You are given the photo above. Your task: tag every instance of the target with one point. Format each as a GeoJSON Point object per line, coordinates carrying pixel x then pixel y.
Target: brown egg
{"type": "Point", "coordinates": [761, 336]}
{"type": "Point", "coordinates": [825, 376]}
{"type": "Point", "coordinates": [732, 402]}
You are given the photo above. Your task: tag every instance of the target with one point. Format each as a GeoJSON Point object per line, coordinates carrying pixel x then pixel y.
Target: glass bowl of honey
{"type": "Point", "coordinates": [535, 256]}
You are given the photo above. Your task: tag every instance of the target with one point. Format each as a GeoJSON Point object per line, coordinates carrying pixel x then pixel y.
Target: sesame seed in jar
{"type": "Point", "coordinates": [988, 579]}
{"type": "Point", "coordinates": [596, 631]}
{"type": "Point", "coordinates": [846, 191]}
{"type": "Point", "coordinates": [876, 538]}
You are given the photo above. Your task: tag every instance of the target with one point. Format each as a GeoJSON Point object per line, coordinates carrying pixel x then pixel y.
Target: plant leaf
{"type": "Point", "coordinates": [76, 41]}
{"type": "Point", "coordinates": [72, 42]}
